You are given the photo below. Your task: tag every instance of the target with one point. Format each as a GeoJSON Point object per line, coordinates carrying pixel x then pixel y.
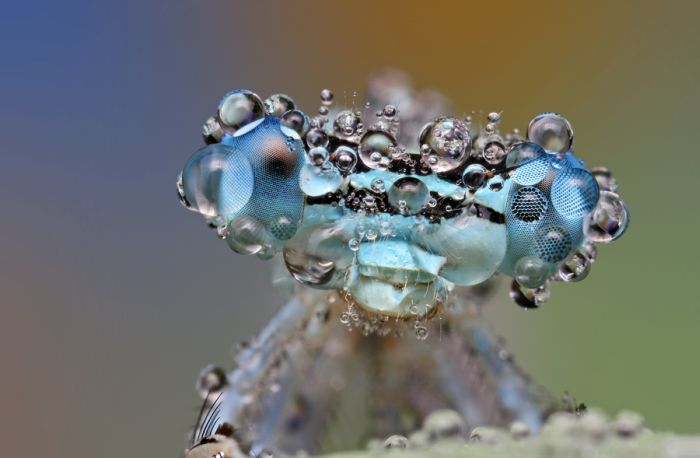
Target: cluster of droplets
{"type": "Point", "coordinates": [605, 222]}
{"type": "Point", "coordinates": [336, 148]}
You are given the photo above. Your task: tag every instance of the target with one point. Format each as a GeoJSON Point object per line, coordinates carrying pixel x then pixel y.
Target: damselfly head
{"type": "Point", "coordinates": [393, 204]}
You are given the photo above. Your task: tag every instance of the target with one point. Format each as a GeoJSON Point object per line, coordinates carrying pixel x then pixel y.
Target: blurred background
{"type": "Point", "coordinates": [113, 296]}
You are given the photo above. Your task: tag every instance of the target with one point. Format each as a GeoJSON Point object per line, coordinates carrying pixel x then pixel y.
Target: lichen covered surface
{"type": "Point", "coordinates": [564, 435]}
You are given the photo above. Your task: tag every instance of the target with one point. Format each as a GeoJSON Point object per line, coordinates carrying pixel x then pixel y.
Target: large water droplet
{"type": "Point", "coordinates": [448, 140]}
{"type": "Point", "coordinates": [278, 104]}
{"type": "Point", "coordinates": [216, 182]}
{"type": "Point", "coordinates": [246, 235]}
{"type": "Point", "coordinates": [376, 148]}
{"type": "Point", "coordinates": [531, 271]}
{"type": "Point", "coordinates": [575, 268]}
{"type": "Point", "coordinates": [316, 182]}
{"type": "Point", "coordinates": [522, 153]}
{"type": "Point", "coordinates": [529, 298]}
{"type": "Point", "coordinates": [345, 159]}
{"type": "Point", "coordinates": [346, 123]}
{"type": "Point", "coordinates": [552, 131]}
{"type": "Point", "coordinates": [297, 121]}
{"type": "Point", "coordinates": [238, 108]}
{"type": "Point", "coordinates": [408, 195]}
{"type": "Point", "coordinates": [474, 176]}
{"type": "Point", "coordinates": [609, 220]}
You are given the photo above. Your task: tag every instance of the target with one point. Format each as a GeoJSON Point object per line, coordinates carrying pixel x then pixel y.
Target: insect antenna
{"type": "Point", "coordinates": [198, 433]}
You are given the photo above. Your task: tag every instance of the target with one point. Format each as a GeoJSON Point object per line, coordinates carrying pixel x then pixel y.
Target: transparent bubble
{"type": "Point", "coordinates": [216, 182]}
{"type": "Point", "coordinates": [316, 182]}
{"type": "Point", "coordinates": [211, 379]}
{"type": "Point", "coordinates": [605, 180]}
{"type": "Point", "coordinates": [552, 131]}
{"type": "Point", "coordinates": [474, 176]}
{"type": "Point", "coordinates": [529, 298]}
{"type": "Point", "coordinates": [346, 124]}
{"type": "Point", "coordinates": [494, 152]}
{"type": "Point", "coordinates": [326, 97]}
{"type": "Point", "coordinates": [246, 235]}
{"type": "Point", "coordinates": [238, 108]}
{"type": "Point", "coordinates": [316, 137]}
{"type": "Point", "coordinates": [317, 155]}
{"type": "Point", "coordinates": [522, 153]}
{"type": "Point", "coordinates": [408, 194]}
{"type": "Point", "coordinates": [494, 117]}
{"type": "Point", "coordinates": [376, 148]}
{"type": "Point", "coordinates": [297, 121]}
{"type": "Point", "coordinates": [278, 104]}
{"type": "Point", "coordinates": [354, 244]}
{"type": "Point", "coordinates": [448, 139]}
{"type": "Point", "coordinates": [575, 268]}
{"type": "Point", "coordinates": [609, 219]}
{"type": "Point", "coordinates": [531, 271]}
{"type": "Point", "coordinates": [345, 159]}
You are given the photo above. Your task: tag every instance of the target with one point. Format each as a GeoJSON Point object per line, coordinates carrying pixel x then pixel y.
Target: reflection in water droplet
{"type": "Point", "coordinates": [238, 108]}
{"type": "Point", "coordinates": [552, 131]}
{"type": "Point", "coordinates": [608, 220]}
{"type": "Point", "coordinates": [376, 148]}
{"type": "Point", "coordinates": [278, 104]}
{"type": "Point", "coordinates": [448, 140]}
{"type": "Point", "coordinates": [410, 191]}
{"type": "Point", "coordinates": [531, 271]}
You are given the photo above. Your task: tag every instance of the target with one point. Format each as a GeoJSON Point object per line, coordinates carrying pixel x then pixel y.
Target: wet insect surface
{"type": "Point", "coordinates": [392, 217]}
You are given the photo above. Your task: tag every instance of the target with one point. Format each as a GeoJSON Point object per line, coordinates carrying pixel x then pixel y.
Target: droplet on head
{"type": "Point", "coordinates": [608, 220]}
{"type": "Point", "coordinates": [474, 176]}
{"type": "Point", "coordinates": [376, 148]}
{"type": "Point", "coordinates": [278, 104]}
{"type": "Point", "coordinates": [531, 271]}
{"type": "Point", "coordinates": [448, 141]}
{"type": "Point", "coordinates": [552, 131]}
{"type": "Point", "coordinates": [238, 108]}
{"type": "Point", "coordinates": [345, 159]}
{"type": "Point", "coordinates": [297, 121]}
{"type": "Point", "coordinates": [410, 191]}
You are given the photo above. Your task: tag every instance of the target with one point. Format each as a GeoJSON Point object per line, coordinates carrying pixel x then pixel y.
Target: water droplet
{"type": "Point", "coordinates": [345, 159]}
{"type": "Point", "coordinates": [354, 244]}
{"type": "Point", "coordinates": [529, 298]}
{"type": "Point", "coordinates": [552, 131]}
{"type": "Point", "coordinates": [238, 108]}
{"type": "Point", "coordinates": [246, 235]}
{"type": "Point", "coordinates": [211, 131]}
{"type": "Point", "coordinates": [609, 220]}
{"type": "Point", "coordinates": [326, 97]}
{"type": "Point", "coordinates": [494, 117]}
{"type": "Point", "coordinates": [575, 268]}
{"type": "Point", "coordinates": [605, 180]}
{"type": "Point", "coordinates": [316, 181]}
{"type": "Point", "coordinates": [346, 123]}
{"type": "Point", "coordinates": [297, 121]}
{"type": "Point", "coordinates": [494, 152]}
{"type": "Point", "coordinates": [531, 271]}
{"type": "Point", "coordinates": [377, 185]}
{"type": "Point", "coordinates": [278, 104]}
{"type": "Point", "coordinates": [376, 146]}
{"type": "Point", "coordinates": [448, 139]}
{"type": "Point", "coordinates": [523, 153]}
{"type": "Point", "coordinates": [317, 156]}
{"type": "Point", "coordinates": [316, 137]}
{"type": "Point", "coordinates": [389, 111]}
{"type": "Point", "coordinates": [205, 182]}
{"type": "Point", "coordinates": [412, 191]}
{"type": "Point", "coordinates": [371, 235]}
{"type": "Point", "coordinates": [474, 176]}
{"type": "Point", "coordinates": [212, 379]}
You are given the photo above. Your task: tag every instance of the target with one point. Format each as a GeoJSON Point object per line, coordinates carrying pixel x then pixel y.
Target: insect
{"type": "Point", "coordinates": [385, 216]}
